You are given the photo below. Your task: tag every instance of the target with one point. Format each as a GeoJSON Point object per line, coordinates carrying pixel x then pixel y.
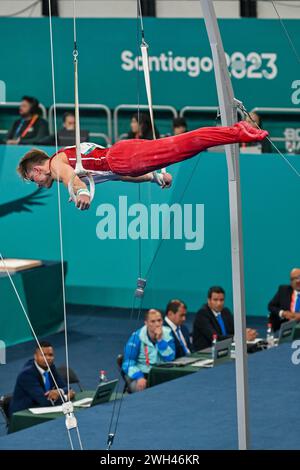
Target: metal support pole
{"type": "Point", "coordinates": [229, 117]}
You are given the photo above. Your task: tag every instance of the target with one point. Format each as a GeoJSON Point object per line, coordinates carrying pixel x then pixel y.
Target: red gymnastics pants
{"type": "Point", "coordinates": [137, 157]}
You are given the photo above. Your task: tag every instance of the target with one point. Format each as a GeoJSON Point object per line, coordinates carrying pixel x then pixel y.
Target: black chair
{"type": "Point", "coordinates": [73, 378]}
{"type": "Point", "coordinates": [126, 379]}
{"type": "Point", "coordinates": [4, 407]}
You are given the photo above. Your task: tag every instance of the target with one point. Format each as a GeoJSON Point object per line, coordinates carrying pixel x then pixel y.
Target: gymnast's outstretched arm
{"type": "Point", "coordinates": [137, 179]}
{"type": "Point", "coordinates": [149, 177]}
{"type": "Point", "coordinates": [65, 173]}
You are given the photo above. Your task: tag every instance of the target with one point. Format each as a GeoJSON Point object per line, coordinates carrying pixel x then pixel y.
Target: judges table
{"type": "Point", "coordinates": [196, 412]}
{"type": "Point", "coordinates": [165, 372]}
{"type": "Point", "coordinates": [25, 419]}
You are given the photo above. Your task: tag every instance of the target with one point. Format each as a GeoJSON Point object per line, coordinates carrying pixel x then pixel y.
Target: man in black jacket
{"type": "Point", "coordinates": [35, 386]}
{"type": "Point", "coordinates": [285, 304]}
{"type": "Point", "coordinates": [215, 319]}
{"type": "Point", "coordinates": [174, 319]}
{"type": "Point", "coordinates": [30, 128]}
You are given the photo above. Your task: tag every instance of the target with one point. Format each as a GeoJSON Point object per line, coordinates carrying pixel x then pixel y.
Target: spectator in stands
{"type": "Point", "coordinates": [285, 304]}
{"type": "Point", "coordinates": [175, 319]}
{"type": "Point", "coordinates": [215, 319]}
{"type": "Point", "coordinates": [141, 127]}
{"type": "Point", "coordinates": [179, 126]}
{"type": "Point", "coordinates": [151, 344]}
{"type": "Point", "coordinates": [255, 121]}
{"type": "Point", "coordinates": [35, 386]}
{"type": "Point", "coordinates": [69, 121]}
{"type": "Point", "coordinates": [66, 135]}
{"type": "Point", "coordinates": [31, 128]}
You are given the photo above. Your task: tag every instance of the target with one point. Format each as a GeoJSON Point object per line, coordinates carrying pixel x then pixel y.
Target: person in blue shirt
{"type": "Point", "coordinates": [151, 344]}
{"type": "Point", "coordinates": [35, 386]}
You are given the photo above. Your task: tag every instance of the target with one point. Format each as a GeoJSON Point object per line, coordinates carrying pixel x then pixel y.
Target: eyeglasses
{"type": "Point", "coordinates": [296, 278]}
{"type": "Point", "coordinates": [27, 178]}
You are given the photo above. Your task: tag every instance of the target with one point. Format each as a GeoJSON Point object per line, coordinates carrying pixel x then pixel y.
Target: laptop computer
{"type": "Point", "coordinates": [286, 332]}
{"type": "Point", "coordinates": [102, 394]}
{"type": "Point", "coordinates": [67, 138]}
{"type": "Point", "coordinates": [222, 352]}
{"type": "Point", "coordinates": [184, 361]}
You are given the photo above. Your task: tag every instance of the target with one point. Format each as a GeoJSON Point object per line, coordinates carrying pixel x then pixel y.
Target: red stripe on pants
{"type": "Point", "coordinates": [137, 156]}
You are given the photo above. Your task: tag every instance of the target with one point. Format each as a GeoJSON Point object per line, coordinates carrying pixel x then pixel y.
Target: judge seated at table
{"type": "Point", "coordinates": [35, 386]}
{"type": "Point", "coordinates": [285, 305]}
{"type": "Point", "coordinates": [215, 319]}
{"type": "Point", "coordinates": [152, 344]}
{"type": "Point", "coordinates": [175, 319]}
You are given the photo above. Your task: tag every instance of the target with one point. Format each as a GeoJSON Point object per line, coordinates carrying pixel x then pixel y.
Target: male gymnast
{"type": "Point", "coordinates": [134, 160]}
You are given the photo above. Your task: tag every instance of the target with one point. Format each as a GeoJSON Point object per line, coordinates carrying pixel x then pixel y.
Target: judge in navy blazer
{"type": "Point", "coordinates": [285, 305]}
{"type": "Point", "coordinates": [175, 319]}
{"type": "Point", "coordinates": [215, 319]}
{"type": "Point", "coordinates": [35, 386]}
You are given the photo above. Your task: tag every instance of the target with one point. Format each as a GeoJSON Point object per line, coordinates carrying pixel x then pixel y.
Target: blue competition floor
{"type": "Point", "coordinates": [195, 412]}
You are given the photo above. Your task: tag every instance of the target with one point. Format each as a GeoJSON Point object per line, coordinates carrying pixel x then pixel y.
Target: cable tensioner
{"type": "Point", "coordinates": [140, 288]}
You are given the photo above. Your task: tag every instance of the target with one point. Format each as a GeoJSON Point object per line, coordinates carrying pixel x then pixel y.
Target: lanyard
{"type": "Point", "coordinates": [146, 350]}
{"type": "Point", "coordinates": [32, 121]}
